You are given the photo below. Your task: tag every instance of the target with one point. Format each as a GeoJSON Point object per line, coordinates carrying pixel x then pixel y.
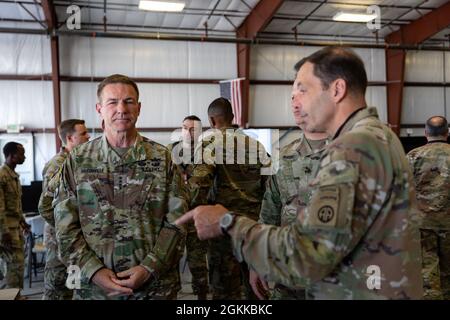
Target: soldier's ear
{"type": "Point", "coordinates": [212, 122]}
{"type": "Point", "coordinates": [98, 107]}
{"type": "Point", "coordinates": [339, 90]}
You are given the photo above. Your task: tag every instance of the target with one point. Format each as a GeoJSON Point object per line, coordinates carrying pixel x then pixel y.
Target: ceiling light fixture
{"type": "Point", "coordinates": [171, 6]}
{"type": "Point", "coordinates": [353, 17]}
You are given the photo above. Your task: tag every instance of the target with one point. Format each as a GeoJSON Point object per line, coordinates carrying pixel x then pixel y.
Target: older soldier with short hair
{"type": "Point", "coordinates": [431, 170]}
{"type": "Point", "coordinates": [357, 238]}
{"type": "Point", "coordinates": [12, 221]}
{"type": "Point", "coordinates": [72, 133]}
{"type": "Point", "coordinates": [118, 194]}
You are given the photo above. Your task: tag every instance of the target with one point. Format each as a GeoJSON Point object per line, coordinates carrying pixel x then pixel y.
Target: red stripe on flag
{"type": "Point", "coordinates": [235, 91]}
{"type": "Point", "coordinates": [236, 100]}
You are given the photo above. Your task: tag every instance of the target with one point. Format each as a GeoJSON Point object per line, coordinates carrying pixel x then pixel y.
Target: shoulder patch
{"type": "Point", "coordinates": [323, 209]}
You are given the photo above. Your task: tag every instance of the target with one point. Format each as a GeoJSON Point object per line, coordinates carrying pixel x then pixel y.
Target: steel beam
{"type": "Point", "coordinates": [412, 34]}
{"type": "Point", "coordinates": [52, 22]}
{"type": "Point", "coordinates": [395, 70]}
{"type": "Point", "coordinates": [423, 28]}
{"type": "Point", "coordinates": [56, 87]}
{"type": "Point", "coordinates": [50, 14]}
{"type": "Point", "coordinates": [255, 22]}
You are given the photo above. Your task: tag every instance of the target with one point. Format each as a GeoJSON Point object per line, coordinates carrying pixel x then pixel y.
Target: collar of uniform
{"type": "Point", "coordinates": [294, 148]}
{"type": "Point", "coordinates": [303, 147]}
{"type": "Point", "coordinates": [355, 117]}
{"type": "Point", "coordinates": [63, 151]}
{"type": "Point", "coordinates": [172, 145]}
{"type": "Point", "coordinates": [10, 171]}
{"type": "Point", "coordinates": [299, 148]}
{"type": "Point", "coordinates": [436, 141]}
{"type": "Point", "coordinates": [230, 128]}
{"type": "Point", "coordinates": [136, 152]}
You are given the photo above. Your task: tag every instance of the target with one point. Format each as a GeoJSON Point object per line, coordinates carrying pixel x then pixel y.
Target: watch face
{"type": "Point", "coordinates": [226, 220]}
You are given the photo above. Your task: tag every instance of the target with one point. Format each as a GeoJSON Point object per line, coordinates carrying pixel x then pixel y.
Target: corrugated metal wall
{"type": "Point", "coordinates": [30, 103]}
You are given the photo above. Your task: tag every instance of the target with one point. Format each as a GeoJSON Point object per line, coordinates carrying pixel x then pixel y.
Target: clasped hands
{"type": "Point", "coordinates": [122, 283]}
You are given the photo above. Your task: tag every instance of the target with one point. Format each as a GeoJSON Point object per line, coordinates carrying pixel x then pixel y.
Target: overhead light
{"type": "Point", "coordinates": [172, 6]}
{"type": "Point", "coordinates": [353, 17]}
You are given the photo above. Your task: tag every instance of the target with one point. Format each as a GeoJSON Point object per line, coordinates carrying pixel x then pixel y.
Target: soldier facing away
{"type": "Point", "coordinates": [117, 197]}
{"type": "Point", "coordinates": [357, 238]}
{"type": "Point", "coordinates": [12, 222]}
{"type": "Point", "coordinates": [196, 249]}
{"type": "Point", "coordinates": [431, 170]}
{"type": "Point", "coordinates": [223, 177]}
{"type": "Point", "coordinates": [72, 133]}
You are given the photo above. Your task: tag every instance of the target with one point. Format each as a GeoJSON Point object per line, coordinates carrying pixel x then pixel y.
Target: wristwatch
{"type": "Point", "coordinates": [227, 221]}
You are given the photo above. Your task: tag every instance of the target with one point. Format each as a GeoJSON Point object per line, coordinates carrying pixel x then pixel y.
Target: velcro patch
{"type": "Point", "coordinates": [323, 210]}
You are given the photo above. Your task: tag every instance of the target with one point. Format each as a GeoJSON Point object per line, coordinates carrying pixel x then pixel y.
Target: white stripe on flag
{"type": "Point", "coordinates": [238, 100]}
{"type": "Point", "coordinates": [235, 111]}
{"type": "Point", "coordinates": [238, 83]}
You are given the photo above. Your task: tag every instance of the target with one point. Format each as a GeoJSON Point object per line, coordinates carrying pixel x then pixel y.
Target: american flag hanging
{"type": "Point", "coordinates": [232, 90]}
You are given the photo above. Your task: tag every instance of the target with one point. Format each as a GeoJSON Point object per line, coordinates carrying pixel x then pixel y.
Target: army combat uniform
{"type": "Point", "coordinates": [224, 178]}
{"type": "Point", "coordinates": [357, 238]}
{"type": "Point", "coordinates": [11, 218]}
{"type": "Point", "coordinates": [431, 171]}
{"type": "Point", "coordinates": [195, 248]}
{"type": "Point", "coordinates": [55, 272]}
{"type": "Point", "coordinates": [287, 192]}
{"type": "Point", "coordinates": [114, 211]}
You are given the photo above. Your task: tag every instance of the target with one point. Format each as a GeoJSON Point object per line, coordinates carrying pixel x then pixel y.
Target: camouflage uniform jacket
{"type": "Point", "coordinates": [431, 170]}
{"type": "Point", "coordinates": [10, 204]}
{"type": "Point", "coordinates": [112, 210]}
{"type": "Point", "coordinates": [360, 220]}
{"type": "Point", "coordinates": [186, 169]}
{"type": "Point", "coordinates": [51, 176]}
{"type": "Point", "coordinates": [231, 178]}
{"type": "Point", "coordinates": [287, 191]}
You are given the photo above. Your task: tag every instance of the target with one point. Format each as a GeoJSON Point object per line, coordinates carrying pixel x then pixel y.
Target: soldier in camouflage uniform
{"type": "Point", "coordinates": [115, 202]}
{"type": "Point", "coordinates": [431, 171]}
{"type": "Point", "coordinates": [12, 221]}
{"type": "Point", "coordinates": [195, 248]}
{"type": "Point", "coordinates": [286, 192]}
{"type": "Point", "coordinates": [72, 132]}
{"type": "Point", "coordinates": [358, 237]}
{"type": "Point", "coordinates": [220, 176]}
